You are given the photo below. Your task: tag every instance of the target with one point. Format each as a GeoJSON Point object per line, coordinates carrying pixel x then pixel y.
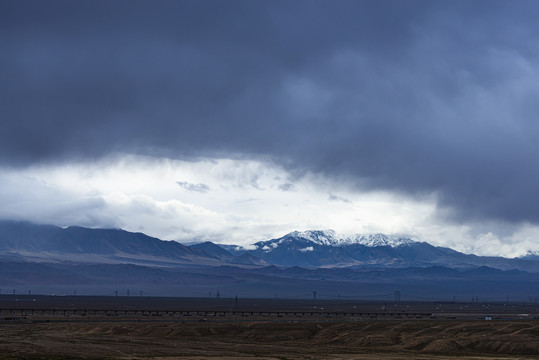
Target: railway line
{"type": "Point", "coordinates": [36, 313]}
{"type": "Point", "coordinates": [73, 308]}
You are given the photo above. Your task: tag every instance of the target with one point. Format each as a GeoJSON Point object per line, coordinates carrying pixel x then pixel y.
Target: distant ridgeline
{"type": "Point", "coordinates": [49, 258]}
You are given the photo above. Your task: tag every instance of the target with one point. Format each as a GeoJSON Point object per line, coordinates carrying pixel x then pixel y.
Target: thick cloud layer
{"type": "Point", "coordinates": [414, 96]}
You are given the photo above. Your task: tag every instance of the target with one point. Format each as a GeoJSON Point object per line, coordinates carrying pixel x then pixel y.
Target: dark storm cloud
{"type": "Point", "coordinates": [410, 96]}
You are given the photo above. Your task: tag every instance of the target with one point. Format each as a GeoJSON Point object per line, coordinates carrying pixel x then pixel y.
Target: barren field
{"type": "Point", "coordinates": [271, 340]}
{"type": "Point", "coordinates": [77, 327]}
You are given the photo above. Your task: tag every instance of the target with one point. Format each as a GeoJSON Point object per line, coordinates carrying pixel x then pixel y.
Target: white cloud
{"type": "Point", "coordinates": [242, 202]}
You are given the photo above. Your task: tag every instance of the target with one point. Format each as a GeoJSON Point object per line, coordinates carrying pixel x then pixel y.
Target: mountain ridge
{"type": "Point", "coordinates": [30, 242]}
{"type": "Point", "coordinates": [325, 248]}
{"type": "Point", "coordinates": [309, 249]}
{"type": "Point", "coordinates": [330, 237]}
{"type": "Point", "coordinates": [49, 259]}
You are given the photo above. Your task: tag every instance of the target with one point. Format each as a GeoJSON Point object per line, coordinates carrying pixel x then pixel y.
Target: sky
{"type": "Point", "coordinates": [240, 121]}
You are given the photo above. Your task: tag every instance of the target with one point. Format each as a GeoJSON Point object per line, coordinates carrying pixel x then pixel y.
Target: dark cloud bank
{"type": "Point", "coordinates": [411, 96]}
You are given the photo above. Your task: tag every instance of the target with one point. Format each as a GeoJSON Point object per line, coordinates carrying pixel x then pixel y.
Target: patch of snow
{"type": "Point", "coordinates": [308, 248]}
{"type": "Point", "coordinates": [330, 238]}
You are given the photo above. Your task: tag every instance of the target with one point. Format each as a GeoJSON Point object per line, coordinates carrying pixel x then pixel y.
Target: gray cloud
{"type": "Point", "coordinates": [286, 187]}
{"type": "Point", "coordinates": [414, 96]}
{"type": "Point", "coordinates": [27, 198]}
{"type": "Point", "coordinates": [333, 197]}
{"type": "Point", "coordinates": [201, 188]}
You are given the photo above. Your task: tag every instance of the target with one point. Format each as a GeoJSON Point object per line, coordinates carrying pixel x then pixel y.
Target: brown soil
{"type": "Point", "coordinates": [278, 340]}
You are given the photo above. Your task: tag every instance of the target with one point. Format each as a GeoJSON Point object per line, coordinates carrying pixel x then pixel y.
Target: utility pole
{"type": "Point", "coordinates": [236, 309]}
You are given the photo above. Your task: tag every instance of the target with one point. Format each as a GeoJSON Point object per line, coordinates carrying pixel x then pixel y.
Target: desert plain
{"type": "Point", "coordinates": [171, 334]}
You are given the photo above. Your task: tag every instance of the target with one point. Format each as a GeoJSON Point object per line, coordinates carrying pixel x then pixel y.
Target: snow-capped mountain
{"type": "Point", "coordinates": [311, 249]}
{"type": "Point", "coordinates": [326, 248]}
{"type": "Point", "coordinates": [531, 255]}
{"type": "Point", "coordinates": [316, 248]}
{"type": "Point", "coordinates": [331, 238]}
{"type": "Point", "coordinates": [52, 259]}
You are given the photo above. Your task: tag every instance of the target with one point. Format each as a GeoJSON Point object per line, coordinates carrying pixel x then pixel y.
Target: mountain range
{"type": "Point", "coordinates": [310, 249]}
{"type": "Point", "coordinates": [328, 249]}
{"type": "Point", "coordinates": [53, 259]}
{"type": "Point", "coordinates": [46, 243]}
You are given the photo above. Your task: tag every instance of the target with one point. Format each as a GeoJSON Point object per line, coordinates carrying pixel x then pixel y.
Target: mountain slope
{"type": "Point", "coordinates": [30, 242]}
{"type": "Point", "coordinates": [23, 241]}
{"type": "Point", "coordinates": [330, 237]}
{"type": "Point", "coordinates": [215, 251]}
{"type": "Point", "coordinates": [328, 249]}
{"type": "Point", "coordinates": [50, 259]}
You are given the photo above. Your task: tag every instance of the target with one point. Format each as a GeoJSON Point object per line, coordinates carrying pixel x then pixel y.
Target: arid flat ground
{"type": "Point", "coordinates": [66, 327]}
{"type": "Point", "coordinates": [427, 339]}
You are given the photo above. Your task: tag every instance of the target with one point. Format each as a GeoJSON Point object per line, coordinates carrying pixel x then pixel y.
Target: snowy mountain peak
{"type": "Point", "coordinates": [321, 237]}
{"type": "Point", "coordinates": [530, 255]}
{"type": "Point", "coordinates": [330, 238]}
{"type": "Point", "coordinates": [374, 240]}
